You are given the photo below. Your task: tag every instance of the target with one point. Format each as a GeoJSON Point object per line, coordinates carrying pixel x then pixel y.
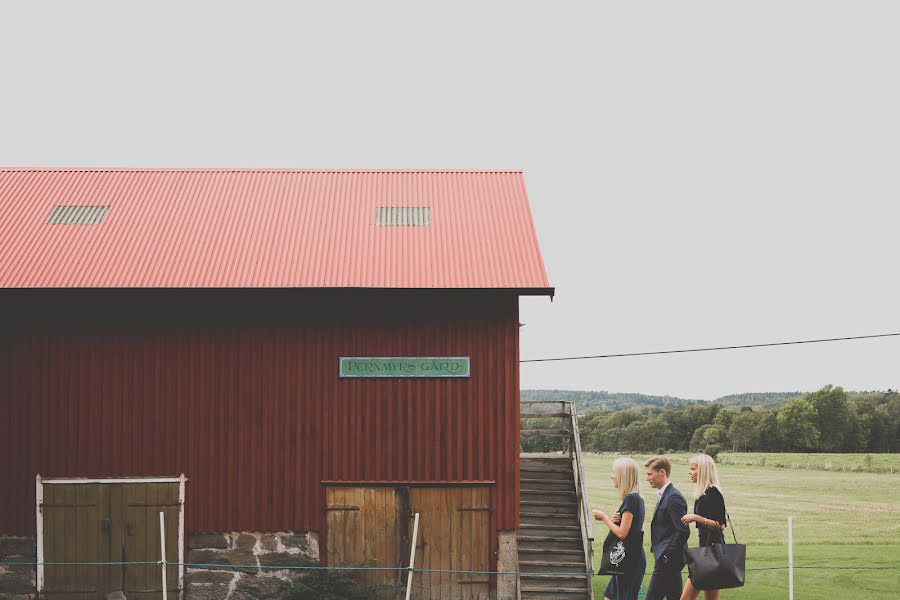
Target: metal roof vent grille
{"type": "Point", "coordinates": [404, 216]}
{"type": "Point", "coordinates": [77, 215]}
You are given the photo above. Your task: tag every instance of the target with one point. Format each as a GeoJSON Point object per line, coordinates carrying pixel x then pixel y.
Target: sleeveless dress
{"type": "Point", "coordinates": [711, 505]}
{"type": "Point", "coordinates": [621, 587]}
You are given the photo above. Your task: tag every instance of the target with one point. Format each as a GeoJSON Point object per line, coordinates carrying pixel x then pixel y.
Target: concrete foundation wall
{"type": "Point", "coordinates": [507, 561]}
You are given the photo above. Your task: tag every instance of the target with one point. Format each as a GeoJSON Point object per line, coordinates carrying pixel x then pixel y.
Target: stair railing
{"type": "Point", "coordinates": [570, 444]}
{"type": "Point", "coordinates": [587, 526]}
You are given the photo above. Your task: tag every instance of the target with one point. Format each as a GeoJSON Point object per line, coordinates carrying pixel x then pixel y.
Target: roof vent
{"type": "Point", "coordinates": [77, 215]}
{"type": "Point", "coordinates": [404, 216]}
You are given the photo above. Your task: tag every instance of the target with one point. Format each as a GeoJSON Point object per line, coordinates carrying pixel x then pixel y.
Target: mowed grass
{"type": "Point", "coordinates": [843, 519]}
{"type": "Point", "coordinates": [878, 463]}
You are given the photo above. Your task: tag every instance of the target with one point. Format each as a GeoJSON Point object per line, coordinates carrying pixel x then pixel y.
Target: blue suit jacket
{"type": "Point", "coordinates": [668, 535]}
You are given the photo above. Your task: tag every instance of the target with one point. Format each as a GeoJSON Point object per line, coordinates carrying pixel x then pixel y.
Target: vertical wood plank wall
{"type": "Point", "coordinates": [241, 394]}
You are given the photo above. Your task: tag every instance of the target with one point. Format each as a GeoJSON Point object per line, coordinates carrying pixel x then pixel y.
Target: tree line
{"type": "Point", "coordinates": [827, 420]}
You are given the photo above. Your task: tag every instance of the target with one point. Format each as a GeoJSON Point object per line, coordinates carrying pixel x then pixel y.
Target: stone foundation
{"type": "Point", "coordinates": [253, 556]}
{"type": "Point", "coordinates": [17, 582]}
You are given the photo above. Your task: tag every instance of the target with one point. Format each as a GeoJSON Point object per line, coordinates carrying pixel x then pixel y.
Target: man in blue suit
{"type": "Point", "coordinates": [668, 535]}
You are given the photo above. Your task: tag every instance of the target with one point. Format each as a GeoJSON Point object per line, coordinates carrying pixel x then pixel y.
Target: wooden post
{"type": "Point", "coordinates": [790, 558]}
{"type": "Point", "coordinates": [412, 556]}
{"type": "Point", "coordinates": [162, 549]}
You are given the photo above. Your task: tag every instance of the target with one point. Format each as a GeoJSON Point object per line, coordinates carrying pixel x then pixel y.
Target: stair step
{"type": "Point", "coordinates": [551, 522]}
{"type": "Point", "coordinates": [549, 515]}
{"type": "Point", "coordinates": [556, 576]}
{"type": "Point", "coordinates": [548, 566]}
{"type": "Point", "coordinates": [549, 533]}
{"type": "Point", "coordinates": [569, 507]}
{"type": "Point", "coordinates": [562, 595]}
{"type": "Point", "coordinates": [572, 545]}
{"type": "Point", "coordinates": [555, 493]}
{"type": "Point", "coordinates": [556, 585]}
{"type": "Point", "coordinates": [541, 553]}
{"type": "Point", "coordinates": [566, 586]}
{"type": "Point", "coordinates": [550, 485]}
{"type": "Point", "coordinates": [545, 481]}
{"type": "Point", "coordinates": [527, 543]}
{"type": "Point", "coordinates": [559, 472]}
{"type": "Point", "coordinates": [529, 527]}
{"type": "Point", "coordinates": [554, 496]}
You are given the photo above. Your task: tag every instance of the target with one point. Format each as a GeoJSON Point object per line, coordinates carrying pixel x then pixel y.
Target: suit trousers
{"type": "Point", "coordinates": [665, 582]}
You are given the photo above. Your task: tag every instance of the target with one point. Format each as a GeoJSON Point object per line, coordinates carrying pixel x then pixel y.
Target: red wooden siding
{"type": "Point", "coordinates": [242, 395]}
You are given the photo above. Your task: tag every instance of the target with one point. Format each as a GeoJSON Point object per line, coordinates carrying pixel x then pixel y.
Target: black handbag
{"type": "Point", "coordinates": [717, 566]}
{"type": "Point", "coordinates": [621, 557]}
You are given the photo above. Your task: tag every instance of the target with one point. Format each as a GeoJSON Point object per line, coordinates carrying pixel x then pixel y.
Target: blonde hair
{"type": "Point", "coordinates": [707, 476]}
{"type": "Point", "coordinates": [626, 477]}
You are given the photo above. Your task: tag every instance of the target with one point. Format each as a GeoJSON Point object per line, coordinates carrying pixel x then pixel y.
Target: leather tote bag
{"type": "Point", "coordinates": [717, 566]}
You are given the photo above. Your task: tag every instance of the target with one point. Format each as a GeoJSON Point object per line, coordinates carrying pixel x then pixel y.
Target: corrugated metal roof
{"type": "Point", "coordinates": [268, 228]}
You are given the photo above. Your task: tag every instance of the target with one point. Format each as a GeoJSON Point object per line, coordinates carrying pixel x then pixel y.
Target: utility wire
{"type": "Point", "coordinates": [232, 567]}
{"type": "Point", "coordinates": [840, 339]}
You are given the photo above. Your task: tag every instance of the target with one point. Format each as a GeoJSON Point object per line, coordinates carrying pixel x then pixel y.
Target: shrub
{"type": "Point", "coordinates": [713, 451]}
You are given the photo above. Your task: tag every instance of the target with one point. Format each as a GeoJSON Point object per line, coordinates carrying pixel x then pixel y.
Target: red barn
{"type": "Point", "coordinates": [286, 364]}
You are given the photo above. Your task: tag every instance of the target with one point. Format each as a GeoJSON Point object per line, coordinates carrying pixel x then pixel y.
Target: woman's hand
{"type": "Point", "coordinates": [689, 518]}
{"type": "Point", "coordinates": [617, 517]}
{"type": "Point", "coordinates": [599, 515]}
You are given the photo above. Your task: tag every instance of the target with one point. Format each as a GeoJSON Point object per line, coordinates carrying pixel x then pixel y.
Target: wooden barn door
{"type": "Point", "coordinates": [364, 529]}
{"type": "Point", "coordinates": [112, 523]}
{"type": "Point", "coordinates": [454, 530]}
{"type": "Point", "coordinates": [373, 525]}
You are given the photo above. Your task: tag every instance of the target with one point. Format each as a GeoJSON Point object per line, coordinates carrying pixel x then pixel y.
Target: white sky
{"type": "Point", "coordinates": [701, 173]}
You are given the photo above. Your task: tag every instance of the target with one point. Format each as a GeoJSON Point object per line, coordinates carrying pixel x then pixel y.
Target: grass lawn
{"type": "Point", "coordinates": [847, 519]}
{"type": "Point", "coordinates": [878, 463]}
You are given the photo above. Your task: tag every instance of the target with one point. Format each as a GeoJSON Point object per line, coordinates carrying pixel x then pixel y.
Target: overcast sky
{"type": "Point", "coordinates": [701, 173]}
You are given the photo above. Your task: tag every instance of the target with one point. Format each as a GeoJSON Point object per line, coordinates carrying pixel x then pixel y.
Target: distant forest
{"type": "Point", "coordinates": [828, 420]}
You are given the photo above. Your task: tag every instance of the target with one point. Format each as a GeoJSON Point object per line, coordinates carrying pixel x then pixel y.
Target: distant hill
{"type": "Point", "coordinates": [601, 400]}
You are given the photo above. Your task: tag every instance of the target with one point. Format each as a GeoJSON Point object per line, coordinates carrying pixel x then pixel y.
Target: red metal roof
{"type": "Point", "coordinates": [267, 228]}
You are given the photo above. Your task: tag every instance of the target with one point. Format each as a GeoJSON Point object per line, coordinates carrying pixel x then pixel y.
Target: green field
{"type": "Point", "coordinates": [873, 463]}
{"type": "Point", "coordinates": [841, 518]}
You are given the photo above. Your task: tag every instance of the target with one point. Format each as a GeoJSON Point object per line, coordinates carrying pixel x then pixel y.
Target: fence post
{"type": "Point", "coordinates": [162, 548]}
{"type": "Point", "coordinates": [412, 556]}
{"type": "Point", "coordinates": [790, 558]}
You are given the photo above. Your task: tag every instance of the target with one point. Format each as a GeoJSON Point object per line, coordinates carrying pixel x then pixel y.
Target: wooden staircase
{"type": "Point", "coordinates": [550, 538]}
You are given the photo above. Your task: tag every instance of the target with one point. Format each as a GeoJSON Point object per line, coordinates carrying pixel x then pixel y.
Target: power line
{"type": "Point", "coordinates": [840, 339]}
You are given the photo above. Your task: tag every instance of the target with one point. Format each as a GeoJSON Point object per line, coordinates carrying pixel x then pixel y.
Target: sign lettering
{"type": "Point", "coordinates": [386, 366]}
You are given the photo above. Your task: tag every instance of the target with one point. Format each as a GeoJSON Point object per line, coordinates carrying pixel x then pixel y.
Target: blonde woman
{"type": "Point", "coordinates": [709, 513]}
{"type": "Point", "coordinates": [626, 523]}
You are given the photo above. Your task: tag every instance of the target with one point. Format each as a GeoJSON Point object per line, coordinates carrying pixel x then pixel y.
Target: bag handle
{"type": "Point", "coordinates": [730, 524]}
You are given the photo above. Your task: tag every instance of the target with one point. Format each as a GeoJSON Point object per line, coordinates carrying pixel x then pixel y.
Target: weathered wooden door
{"type": "Point", "coordinates": [374, 525]}
{"type": "Point", "coordinates": [364, 529]}
{"type": "Point", "coordinates": [454, 529]}
{"type": "Point", "coordinates": [108, 523]}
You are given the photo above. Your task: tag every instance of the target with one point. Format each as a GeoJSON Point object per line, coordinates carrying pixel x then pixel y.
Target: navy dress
{"type": "Point", "coordinates": [711, 505]}
{"type": "Point", "coordinates": [622, 587]}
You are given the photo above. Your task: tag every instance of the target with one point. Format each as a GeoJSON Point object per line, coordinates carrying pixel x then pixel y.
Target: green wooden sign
{"type": "Point", "coordinates": [406, 366]}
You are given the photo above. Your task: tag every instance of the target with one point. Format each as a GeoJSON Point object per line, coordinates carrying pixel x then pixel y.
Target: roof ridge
{"type": "Point", "coordinates": [242, 170]}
